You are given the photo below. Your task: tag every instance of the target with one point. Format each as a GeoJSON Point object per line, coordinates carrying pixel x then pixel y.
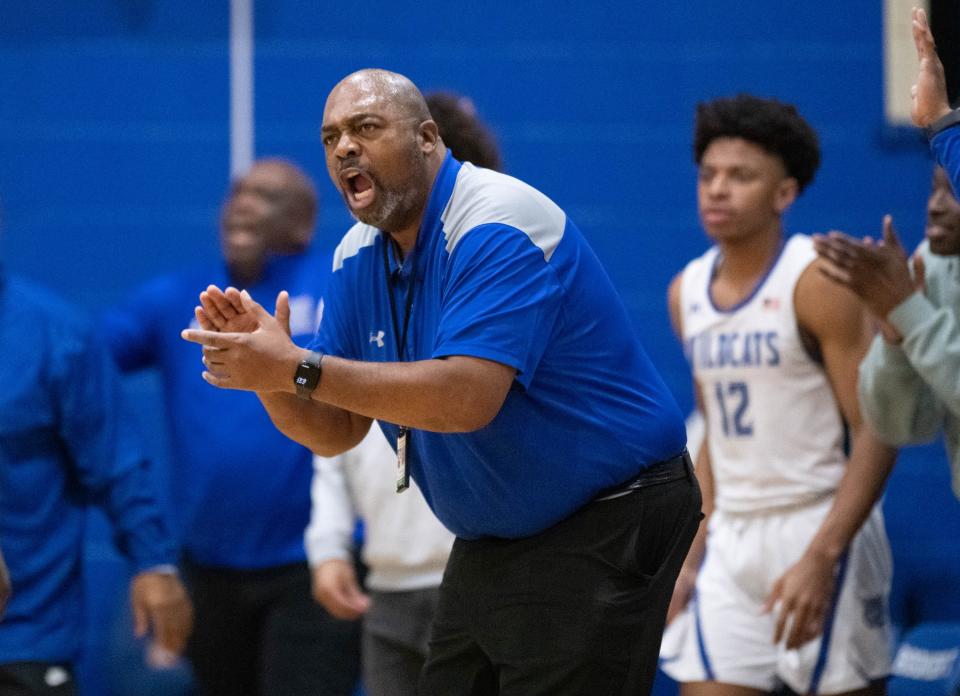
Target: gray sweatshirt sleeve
{"type": "Point", "coordinates": [896, 401]}
{"type": "Point", "coordinates": [931, 342]}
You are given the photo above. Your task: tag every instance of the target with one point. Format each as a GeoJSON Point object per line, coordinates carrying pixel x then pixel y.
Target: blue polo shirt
{"type": "Point", "coordinates": [64, 444]}
{"type": "Point", "coordinates": [945, 146]}
{"type": "Point", "coordinates": [500, 272]}
{"type": "Point", "coordinates": [240, 488]}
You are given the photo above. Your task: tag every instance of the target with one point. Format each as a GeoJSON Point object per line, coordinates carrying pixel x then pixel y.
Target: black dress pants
{"type": "Point", "coordinates": [259, 633]}
{"type": "Point", "coordinates": [576, 610]}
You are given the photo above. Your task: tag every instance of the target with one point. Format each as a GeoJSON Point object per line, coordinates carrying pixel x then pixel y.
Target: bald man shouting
{"type": "Point", "coordinates": [467, 314]}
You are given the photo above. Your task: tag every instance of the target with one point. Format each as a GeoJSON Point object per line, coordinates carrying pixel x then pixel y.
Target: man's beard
{"type": "Point", "coordinates": [395, 203]}
{"type": "Point", "coordinates": [389, 203]}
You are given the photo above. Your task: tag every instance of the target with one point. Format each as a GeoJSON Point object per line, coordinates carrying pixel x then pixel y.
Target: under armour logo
{"type": "Point", "coordinates": [377, 338]}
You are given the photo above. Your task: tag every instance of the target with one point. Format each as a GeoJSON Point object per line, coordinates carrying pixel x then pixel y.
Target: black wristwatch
{"type": "Point", "coordinates": [307, 375]}
{"type": "Point", "coordinates": [942, 123]}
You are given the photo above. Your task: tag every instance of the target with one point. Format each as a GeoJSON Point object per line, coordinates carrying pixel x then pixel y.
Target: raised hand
{"type": "Point", "coordinates": [929, 94]}
{"type": "Point", "coordinates": [223, 310]}
{"type": "Point", "coordinates": [878, 273]}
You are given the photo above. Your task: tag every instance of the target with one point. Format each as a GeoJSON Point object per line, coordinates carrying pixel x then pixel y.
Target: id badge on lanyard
{"type": "Point", "coordinates": [403, 471]}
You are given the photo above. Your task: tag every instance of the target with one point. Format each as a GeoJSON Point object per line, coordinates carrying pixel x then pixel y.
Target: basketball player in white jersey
{"type": "Point", "coordinates": [787, 582]}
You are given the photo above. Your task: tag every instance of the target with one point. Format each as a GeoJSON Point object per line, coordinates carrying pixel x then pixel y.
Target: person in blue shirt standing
{"type": "Point", "coordinates": [241, 490]}
{"type": "Point", "coordinates": [66, 443]}
{"type": "Point", "coordinates": [470, 317]}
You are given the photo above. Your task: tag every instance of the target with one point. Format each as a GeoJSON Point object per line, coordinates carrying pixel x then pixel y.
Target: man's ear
{"type": "Point", "coordinates": [429, 136]}
{"type": "Point", "coordinates": [787, 192]}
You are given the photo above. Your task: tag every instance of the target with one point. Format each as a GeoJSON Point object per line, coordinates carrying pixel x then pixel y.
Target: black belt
{"type": "Point", "coordinates": [653, 475]}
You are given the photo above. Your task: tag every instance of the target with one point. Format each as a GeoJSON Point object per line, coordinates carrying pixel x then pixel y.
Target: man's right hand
{"type": "Point", "coordinates": [335, 586]}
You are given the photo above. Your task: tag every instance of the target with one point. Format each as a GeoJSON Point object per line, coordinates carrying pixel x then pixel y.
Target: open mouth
{"type": "Point", "coordinates": [357, 187]}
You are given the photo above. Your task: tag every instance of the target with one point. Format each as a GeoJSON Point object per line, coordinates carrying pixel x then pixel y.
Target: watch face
{"type": "Point", "coordinates": [307, 376]}
{"type": "Point", "coordinates": [306, 372]}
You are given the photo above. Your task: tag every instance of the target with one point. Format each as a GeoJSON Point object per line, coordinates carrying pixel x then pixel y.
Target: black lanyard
{"type": "Point", "coordinates": [401, 339]}
{"type": "Point", "coordinates": [403, 433]}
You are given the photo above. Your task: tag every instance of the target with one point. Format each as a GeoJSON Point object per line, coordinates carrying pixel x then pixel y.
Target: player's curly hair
{"type": "Point", "coordinates": [462, 131]}
{"type": "Point", "coordinates": [776, 127]}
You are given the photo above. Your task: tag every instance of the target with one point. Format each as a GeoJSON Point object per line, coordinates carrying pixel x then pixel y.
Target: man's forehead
{"type": "Point", "coordinates": [360, 95]}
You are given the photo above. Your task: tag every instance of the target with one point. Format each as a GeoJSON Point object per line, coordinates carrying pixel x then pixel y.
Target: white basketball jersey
{"type": "Point", "coordinates": [774, 429]}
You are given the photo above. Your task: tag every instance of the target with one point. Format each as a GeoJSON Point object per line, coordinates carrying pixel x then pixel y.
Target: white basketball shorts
{"type": "Point", "coordinates": [723, 635]}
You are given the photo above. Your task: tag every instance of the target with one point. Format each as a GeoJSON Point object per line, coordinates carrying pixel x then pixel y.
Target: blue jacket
{"type": "Point", "coordinates": [64, 443]}
{"type": "Point", "coordinates": [241, 489]}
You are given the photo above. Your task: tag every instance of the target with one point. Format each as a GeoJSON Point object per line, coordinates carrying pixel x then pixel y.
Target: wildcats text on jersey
{"type": "Point", "coordinates": [710, 350]}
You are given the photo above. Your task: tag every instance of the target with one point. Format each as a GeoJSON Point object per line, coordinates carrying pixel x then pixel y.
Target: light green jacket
{"type": "Point", "coordinates": [911, 393]}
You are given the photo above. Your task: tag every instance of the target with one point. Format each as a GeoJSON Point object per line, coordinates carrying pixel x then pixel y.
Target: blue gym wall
{"type": "Point", "coordinates": [114, 120]}
{"type": "Point", "coordinates": [114, 147]}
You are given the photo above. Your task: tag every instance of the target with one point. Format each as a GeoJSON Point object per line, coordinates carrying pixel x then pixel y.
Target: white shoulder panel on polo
{"type": "Point", "coordinates": [356, 238]}
{"type": "Point", "coordinates": [482, 196]}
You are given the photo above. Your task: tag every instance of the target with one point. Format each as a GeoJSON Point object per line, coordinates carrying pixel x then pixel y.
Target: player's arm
{"type": "Point", "coordinates": [702, 463]}
{"type": "Point", "coordinates": [686, 581]}
{"type": "Point", "coordinates": [841, 326]}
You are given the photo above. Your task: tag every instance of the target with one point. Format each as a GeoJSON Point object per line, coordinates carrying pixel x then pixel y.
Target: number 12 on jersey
{"type": "Point", "coordinates": [734, 401]}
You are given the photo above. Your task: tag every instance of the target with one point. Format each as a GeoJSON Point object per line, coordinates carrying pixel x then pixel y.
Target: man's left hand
{"type": "Point", "coordinates": [261, 358]}
{"type": "Point", "coordinates": [878, 273]}
{"type": "Point", "coordinates": [801, 597]}
{"type": "Point", "coordinates": [161, 606]}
